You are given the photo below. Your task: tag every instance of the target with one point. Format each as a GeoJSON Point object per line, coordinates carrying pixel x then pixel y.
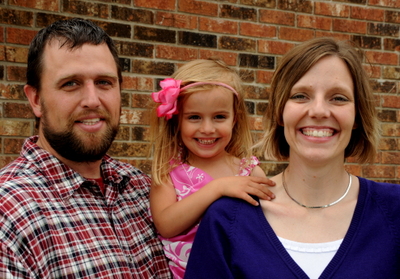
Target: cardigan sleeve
{"type": "Point", "coordinates": [211, 253]}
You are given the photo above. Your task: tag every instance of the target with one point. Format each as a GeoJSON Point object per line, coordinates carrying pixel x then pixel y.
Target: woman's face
{"type": "Point", "coordinates": [319, 116]}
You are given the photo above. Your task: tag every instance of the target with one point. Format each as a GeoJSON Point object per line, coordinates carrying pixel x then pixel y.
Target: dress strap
{"type": "Point", "coordinates": [247, 165]}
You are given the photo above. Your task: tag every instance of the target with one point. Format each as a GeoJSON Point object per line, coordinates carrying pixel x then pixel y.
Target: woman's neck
{"type": "Point", "coordinates": [316, 186]}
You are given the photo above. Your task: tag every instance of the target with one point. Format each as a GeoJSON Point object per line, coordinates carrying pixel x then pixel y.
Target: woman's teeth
{"type": "Point", "coordinates": [317, 133]}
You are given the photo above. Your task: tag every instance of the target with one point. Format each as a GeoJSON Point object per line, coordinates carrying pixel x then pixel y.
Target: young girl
{"type": "Point", "coordinates": [201, 153]}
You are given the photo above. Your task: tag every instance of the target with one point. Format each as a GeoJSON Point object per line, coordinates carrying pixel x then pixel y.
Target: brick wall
{"type": "Point", "coordinates": [155, 36]}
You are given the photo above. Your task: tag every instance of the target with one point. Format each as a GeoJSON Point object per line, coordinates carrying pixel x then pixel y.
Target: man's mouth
{"type": "Point", "coordinates": [90, 122]}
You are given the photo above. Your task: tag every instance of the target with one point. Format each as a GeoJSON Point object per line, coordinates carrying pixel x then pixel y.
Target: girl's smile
{"type": "Point", "coordinates": [207, 122]}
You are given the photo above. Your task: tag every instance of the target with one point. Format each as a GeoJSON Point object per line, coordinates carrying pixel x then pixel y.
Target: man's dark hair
{"type": "Point", "coordinates": [72, 33]}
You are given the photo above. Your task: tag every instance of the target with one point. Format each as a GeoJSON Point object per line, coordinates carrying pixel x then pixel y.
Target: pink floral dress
{"type": "Point", "coordinates": [187, 180]}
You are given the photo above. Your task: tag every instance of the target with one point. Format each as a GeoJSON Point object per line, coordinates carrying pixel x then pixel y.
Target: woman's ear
{"type": "Point", "coordinates": [34, 100]}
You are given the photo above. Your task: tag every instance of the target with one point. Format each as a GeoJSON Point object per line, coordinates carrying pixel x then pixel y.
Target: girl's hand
{"type": "Point", "coordinates": [243, 187]}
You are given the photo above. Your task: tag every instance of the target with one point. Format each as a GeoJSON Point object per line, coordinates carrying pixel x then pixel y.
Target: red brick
{"type": "Point", "coordinates": [314, 22]}
{"type": "Point", "coordinates": [1, 34]}
{"type": "Point", "coordinates": [387, 58]}
{"type": "Point", "coordinates": [328, 9]}
{"type": "Point", "coordinates": [13, 146]}
{"type": "Point", "coordinates": [12, 92]}
{"type": "Point", "coordinates": [2, 53]}
{"type": "Point", "coordinates": [20, 36]}
{"type": "Point", "coordinates": [15, 73]}
{"type": "Point", "coordinates": [198, 7]}
{"type": "Point", "coordinates": [277, 17]}
{"type": "Point", "coordinates": [145, 84]}
{"type": "Point", "coordinates": [229, 58]}
{"type": "Point", "coordinates": [367, 13]}
{"type": "Point", "coordinates": [15, 128]}
{"type": "Point", "coordinates": [141, 101]}
{"type": "Point", "coordinates": [264, 76]}
{"type": "Point", "coordinates": [391, 158]}
{"type": "Point", "coordinates": [377, 171]}
{"type": "Point", "coordinates": [256, 123]}
{"type": "Point", "coordinates": [176, 20]}
{"type": "Point", "coordinates": [5, 160]}
{"type": "Point", "coordinates": [353, 169]}
{"type": "Point", "coordinates": [176, 53]}
{"type": "Point", "coordinates": [373, 71]}
{"type": "Point", "coordinates": [392, 16]}
{"type": "Point", "coordinates": [136, 117]}
{"type": "Point", "coordinates": [385, 3]}
{"type": "Point", "coordinates": [391, 72]}
{"type": "Point", "coordinates": [16, 54]}
{"type": "Point", "coordinates": [390, 130]}
{"type": "Point", "coordinates": [390, 101]}
{"type": "Point", "coordinates": [257, 30]}
{"type": "Point", "coordinates": [337, 36]}
{"type": "Point", "coordinates": [218, 25]}
{"type": "Point", "coordinates": [48, 5]}
{"type": "Point", "coordinates": [274, 47]}
{"type": "Point", "coordinates": [156, 4]}
{"type": "Point", "coordinates": [350, 26]}
{"type": "Point", "coordinates": [295, 34]}
{"type": "Point", "coordinates": [17, 110]}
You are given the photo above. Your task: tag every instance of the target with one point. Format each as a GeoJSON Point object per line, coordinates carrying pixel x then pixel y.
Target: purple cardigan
{"type": "Point", "coordinates": [236, 241]}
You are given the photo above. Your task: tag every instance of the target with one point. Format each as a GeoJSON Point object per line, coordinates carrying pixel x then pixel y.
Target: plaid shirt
{"type": "Point", "coordinates": [57, 224]}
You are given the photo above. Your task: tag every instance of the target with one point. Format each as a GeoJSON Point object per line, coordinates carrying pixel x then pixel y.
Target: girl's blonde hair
{"type": "Point", "coordinates": [165, 134]}
{"type": "Point", "coordinates": [293, 66]}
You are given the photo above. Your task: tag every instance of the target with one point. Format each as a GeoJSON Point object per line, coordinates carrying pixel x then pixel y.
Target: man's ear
{"type": "Point", "coordinates": [34, 100]}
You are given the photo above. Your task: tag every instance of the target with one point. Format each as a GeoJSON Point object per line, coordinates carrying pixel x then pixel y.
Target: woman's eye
{"type": "Point", "coordinates": [298, 97]}
{"type": "Point", "coordinates": [340, 99]}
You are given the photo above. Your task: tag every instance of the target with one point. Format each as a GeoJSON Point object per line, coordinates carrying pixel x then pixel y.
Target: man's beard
{"type": "Point", "coordinates": [71, 146]}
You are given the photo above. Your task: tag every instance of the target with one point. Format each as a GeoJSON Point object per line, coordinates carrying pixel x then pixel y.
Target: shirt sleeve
{"type": "Point", "coordinates": [10, 266]}
{"type": "Point", "coordinates": [210, 256]}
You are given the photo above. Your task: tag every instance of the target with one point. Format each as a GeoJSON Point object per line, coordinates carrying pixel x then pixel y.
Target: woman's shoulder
{"type": "Point", "coordinates": [381, 188]}
{"type": "Point", "coordinates": [228, 208]}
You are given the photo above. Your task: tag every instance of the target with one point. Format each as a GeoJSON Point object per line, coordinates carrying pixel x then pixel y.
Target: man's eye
{"type": "Point", "coordinates": [69, 83]}
{"type": "Point", "coordinates": [104, 82]}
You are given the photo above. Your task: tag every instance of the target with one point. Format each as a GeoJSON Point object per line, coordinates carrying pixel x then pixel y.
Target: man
{"type": "Point", "coordinates": [68, 210]}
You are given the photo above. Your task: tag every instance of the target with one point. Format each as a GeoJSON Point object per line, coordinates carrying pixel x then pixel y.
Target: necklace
{"type": "Point", "coordinates": [319, 206]}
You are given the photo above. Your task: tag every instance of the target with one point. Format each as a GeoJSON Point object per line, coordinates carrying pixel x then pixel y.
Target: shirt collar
{"type": "Point", "coordinates": [64, 179]}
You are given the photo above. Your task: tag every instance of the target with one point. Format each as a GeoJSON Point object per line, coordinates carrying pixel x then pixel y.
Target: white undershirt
{"type": "Point", "coordinates": [311, 257]}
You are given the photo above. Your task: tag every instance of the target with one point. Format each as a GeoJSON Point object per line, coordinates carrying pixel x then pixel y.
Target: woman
{"type": "Point", "coordinates": [324, 222]}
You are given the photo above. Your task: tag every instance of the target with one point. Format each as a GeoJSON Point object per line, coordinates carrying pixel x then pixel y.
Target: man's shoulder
{"type": "Point", "coordinates": [18, 170]}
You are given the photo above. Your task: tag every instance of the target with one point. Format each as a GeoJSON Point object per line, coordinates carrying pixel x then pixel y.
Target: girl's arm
{"type": "Point", "coordinates": [172, 217]}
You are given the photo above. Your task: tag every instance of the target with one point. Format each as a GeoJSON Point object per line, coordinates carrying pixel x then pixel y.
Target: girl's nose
{"type": "Point", "coordinates": [207, 127]}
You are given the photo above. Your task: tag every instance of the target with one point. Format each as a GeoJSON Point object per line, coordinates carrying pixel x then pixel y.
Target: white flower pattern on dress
{"type": "Point", "coordinates": [187, 180]}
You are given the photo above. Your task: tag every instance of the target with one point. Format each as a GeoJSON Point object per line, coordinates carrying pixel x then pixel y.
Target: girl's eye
{"type": "Point", "coordinates": [194, 117]}
{"type": "Point", "coordinates": [220, 116]}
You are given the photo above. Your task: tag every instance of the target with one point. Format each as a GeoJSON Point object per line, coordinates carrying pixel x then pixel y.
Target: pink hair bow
{"type": "Point", "coordinates": [167, 96]}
